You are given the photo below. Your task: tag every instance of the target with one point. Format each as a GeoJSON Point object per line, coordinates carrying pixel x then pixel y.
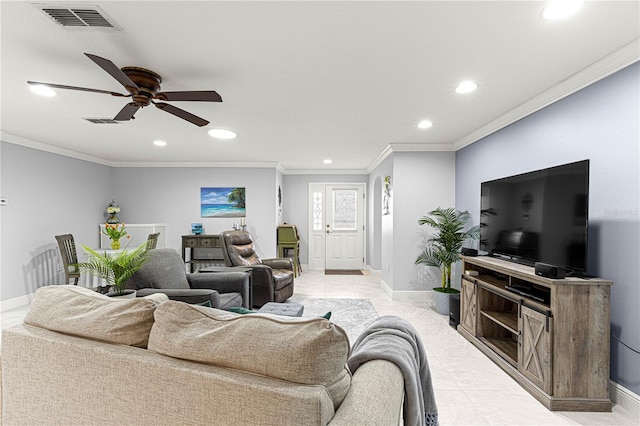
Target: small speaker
{"type": "Point", "coordinates": [454, 310]}
{"type": "Point", "coordinates": [469, 251]}
{"type": "Point", "coordinates": [549, 271]}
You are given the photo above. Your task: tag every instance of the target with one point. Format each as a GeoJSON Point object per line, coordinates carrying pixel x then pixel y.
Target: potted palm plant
{"type": "Point", "coordinates": [444, 246]}
{"type": "Point", "coordinates": [115, 268]}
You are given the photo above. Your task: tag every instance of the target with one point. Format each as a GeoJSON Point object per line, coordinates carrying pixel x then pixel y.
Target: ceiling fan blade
{"type": "Point", "coordinates": [115, 72]}
{"type": "Point", "coordinates": [201, 95]}
{"type": "Point", "coordinates": [182, 114]}
{"type": "Point", "coordinates": [83, 89]}
{"type": "Point", "coordinates": [127, 112]}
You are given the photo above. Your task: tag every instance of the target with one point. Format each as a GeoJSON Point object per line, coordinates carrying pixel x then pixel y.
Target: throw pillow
{"type": "Point", "coordinates": [82, 312]}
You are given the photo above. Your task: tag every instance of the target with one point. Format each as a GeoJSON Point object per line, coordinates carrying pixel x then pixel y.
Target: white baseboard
{"type": "Point", "coordinates": [624, 398]}
{"type": "Point", "coordinates": [407, 296]}
{"type": "Point", "coordinates": [16, 302]}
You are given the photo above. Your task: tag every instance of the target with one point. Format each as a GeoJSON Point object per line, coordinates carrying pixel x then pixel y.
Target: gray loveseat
{"type": "Point", "coordinates": [82, 358]}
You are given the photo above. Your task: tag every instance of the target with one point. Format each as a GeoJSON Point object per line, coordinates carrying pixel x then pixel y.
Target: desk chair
{"type": "Point", "coordinates": [288, 239]}
{"type": "Point", "coordinates": [152, 241]}
{"type": "Point", "coordinates": [69, 257]}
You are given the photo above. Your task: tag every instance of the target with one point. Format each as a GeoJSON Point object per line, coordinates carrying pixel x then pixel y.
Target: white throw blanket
{"type": "Point", "coordinates": [393, 339]}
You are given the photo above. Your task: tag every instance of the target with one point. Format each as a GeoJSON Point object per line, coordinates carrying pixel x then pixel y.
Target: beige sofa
{"type": "Point", "coordinates": [82, 358]}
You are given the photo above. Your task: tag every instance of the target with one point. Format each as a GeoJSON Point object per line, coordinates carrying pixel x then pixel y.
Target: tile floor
{"type": "Point", "coordinates": [469, 388]}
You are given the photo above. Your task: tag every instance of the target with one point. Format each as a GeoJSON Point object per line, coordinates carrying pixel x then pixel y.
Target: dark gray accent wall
{"type": "Point", "coordinates": [599, 123]}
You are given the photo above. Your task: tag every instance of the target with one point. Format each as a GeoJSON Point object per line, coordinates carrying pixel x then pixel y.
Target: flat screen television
{"type": "Point", "coordinates": [540, 216]}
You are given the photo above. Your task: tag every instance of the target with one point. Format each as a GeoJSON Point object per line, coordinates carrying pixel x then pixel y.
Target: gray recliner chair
{"type": "Point", "coordinates": [164, 272]}
{"type": "Point", "coordinates": [272, 279]}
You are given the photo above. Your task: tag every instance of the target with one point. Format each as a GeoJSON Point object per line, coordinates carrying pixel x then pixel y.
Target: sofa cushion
{"type": "Point", "coordinates": [310, 351]}
{"type": "Point", "coordinates": [82, 312]}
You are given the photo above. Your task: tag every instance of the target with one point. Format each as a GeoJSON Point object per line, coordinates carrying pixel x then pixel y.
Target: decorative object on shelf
{"type": "Point", "coordinates": [196, 228]}
{"type": "Point", "coordinates": [443, 248]}
{"type": "Point", "coordinates": [115, 232]}
{"type": "Point", "coordinates": [112, 210]}
{"type": "Point", "coordinates": [386, 195]}
{"type": "Point", "coordinates": [114, 268]}
{"type": "Point", "coordinates": [222, 202]}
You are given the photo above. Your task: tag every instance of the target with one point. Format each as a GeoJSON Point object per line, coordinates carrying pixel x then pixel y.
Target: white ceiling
{"type": "Point", "coordinates": [303, 81]}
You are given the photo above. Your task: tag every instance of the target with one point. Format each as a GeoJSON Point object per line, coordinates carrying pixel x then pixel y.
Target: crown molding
{"type": "Point", "coordinates": [421, 147]}
{"type": "Point", "coordinates": [408, 147]}
{"type": "Point", "coordinates": [621, 58]}
{"type": "Point", "coordinates": [220, 164]}
{"type": "Point", "coordinates": [42, 146]}
{"type": "Point", "coordinates": [326, 172]}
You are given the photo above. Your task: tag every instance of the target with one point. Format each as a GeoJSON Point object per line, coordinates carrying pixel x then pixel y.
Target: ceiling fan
{"type": "Point", "coordinates": [143, 86]}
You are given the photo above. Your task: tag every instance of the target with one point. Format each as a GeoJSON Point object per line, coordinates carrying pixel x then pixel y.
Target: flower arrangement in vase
{"type": "Point", "coordinates": [112, 210]}
{"type": "Point", "coordinates": [115, 232]}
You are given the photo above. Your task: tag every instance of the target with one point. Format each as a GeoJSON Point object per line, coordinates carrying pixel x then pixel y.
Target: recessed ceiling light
{"type": "Point", "coordinates": [159, 143]}
{"type": "Point", "coordinates": [222, 134]}
{"type": "Point", "coordinates": [425, 124]}
{"type": "Point", "coordinates": [559, 9]}
{"type": "Point", "coordinates": [328, 161]}
{"type": "Point", "coordinates": [466, 87]}
{"type": "Point", "coordinates": [42, 90]}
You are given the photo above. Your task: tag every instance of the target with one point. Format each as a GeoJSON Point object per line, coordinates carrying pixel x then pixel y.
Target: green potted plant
{"type": "Point", "coordinates": [444, 246]}
{"type": "Point", "coordinates": [115, 268]}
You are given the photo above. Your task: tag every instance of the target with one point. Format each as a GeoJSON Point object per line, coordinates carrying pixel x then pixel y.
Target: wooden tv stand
{"type": "Point", "coordinates": [554, 341]}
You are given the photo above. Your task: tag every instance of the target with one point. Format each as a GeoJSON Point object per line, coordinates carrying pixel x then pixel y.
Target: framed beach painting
{"type": "Point", "coordinates": [222, 202]}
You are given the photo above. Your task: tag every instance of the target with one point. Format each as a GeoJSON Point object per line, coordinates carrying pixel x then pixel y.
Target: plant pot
{"type": "Point", "coordinates": [442, 300]}
{"type": "Point", "coordinates": [126, 294]}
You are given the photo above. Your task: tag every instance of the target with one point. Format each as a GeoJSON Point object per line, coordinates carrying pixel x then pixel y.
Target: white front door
{"type": "Point", "coordinates": [337, 237]}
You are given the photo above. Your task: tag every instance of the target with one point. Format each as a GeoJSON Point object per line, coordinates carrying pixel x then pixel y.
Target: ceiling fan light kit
{"type": "Point", "coordinates": [143, 86]}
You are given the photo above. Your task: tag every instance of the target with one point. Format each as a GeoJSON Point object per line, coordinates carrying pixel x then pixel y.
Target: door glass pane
{"type": "Point", "coordinates": [317, 211]}
{"type": "Point", "coordinates": [345, 210]}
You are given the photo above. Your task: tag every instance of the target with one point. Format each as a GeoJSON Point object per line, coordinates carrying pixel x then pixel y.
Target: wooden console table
{"type": "Point", "coordinates": [550, 335]}
{"type": "Point", "coordinates": [202, 251]}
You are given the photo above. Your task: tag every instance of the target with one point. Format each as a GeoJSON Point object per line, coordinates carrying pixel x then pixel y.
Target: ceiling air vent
{"type": "Point", "coordinates": [78, 16]}
{"type": "Point", "coordinates": [102, 121]}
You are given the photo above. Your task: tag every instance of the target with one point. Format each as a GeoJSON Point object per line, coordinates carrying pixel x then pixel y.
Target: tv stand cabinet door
{"type": "Point", "coordinates": [535, 348]}
{"type": "Point", "coordinates": [468, 307]}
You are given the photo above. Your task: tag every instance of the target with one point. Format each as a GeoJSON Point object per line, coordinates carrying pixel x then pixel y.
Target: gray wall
{"type": "Point", "coordinates": [48, 194]}
{"type": "Point", "coordinates": [296, 202]}
{"type": "Point", "coordinates": [171, 195]}
{"type": "Point", "coordinates": [599, 123]}
{"type": "Point", "coordinates": [422, 181]}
